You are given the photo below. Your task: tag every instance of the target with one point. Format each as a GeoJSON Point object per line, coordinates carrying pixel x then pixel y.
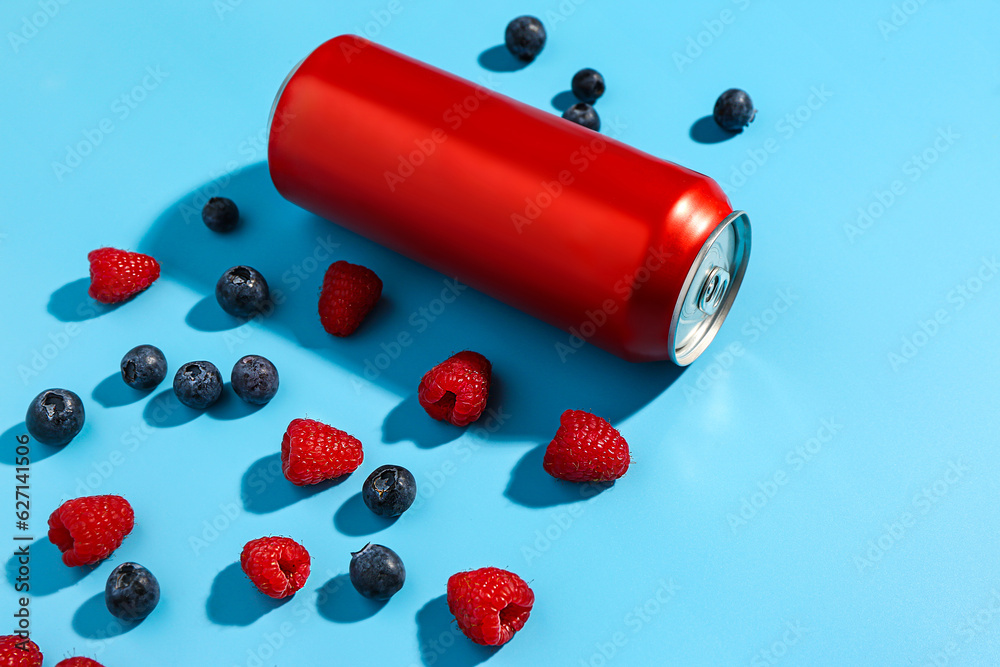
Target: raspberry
{"type": "Point", "coordinates": [18, 652]}
{"type": "Point", "coordinates": [586, 448]}
{"type": "Point", "coordinates": [88, 529]}
{"type": "Point", "coordinates": [489, 604]}
{"type": "Point", "coordinates": [278, 566]}
{"type": "Point", "coordinates": [116, 275]}
{"type": "Point", "coordinates": [78, 662]}
{"type": "Point", "coordinates": [312, 452]}
{"type": "Point", "coordinates": [456, 390]}
{"type": "Point", "coordinates": [349, 293]}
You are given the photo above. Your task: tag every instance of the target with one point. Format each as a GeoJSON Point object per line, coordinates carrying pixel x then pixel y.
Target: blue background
{"type": "Point", "coordinates": [798, 494]}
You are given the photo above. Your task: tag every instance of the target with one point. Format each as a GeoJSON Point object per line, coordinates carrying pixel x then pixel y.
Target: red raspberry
{"type": "Point", "coordinates": [116, 275]}
{"type": "Point", "coordinates": [78, 662]}
{"type": "Point", "coordinates": [349, 292]}
{"type": "Point", "coordinates": [18, 652]}
{"type": "Point", "coordinates": [456, 390]}
{"type": "Point", "coordinates": [489, 604]}
{"type": "Point", "coordinates": [88, 529]}
{"type": "Point", "coordinates": [312, 452]}
{"type": "Point", "coordinates": [586, 448]}
{"type": "Point", "coordinates": [278, 566]}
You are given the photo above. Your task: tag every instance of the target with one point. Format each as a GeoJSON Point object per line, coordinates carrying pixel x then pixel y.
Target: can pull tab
{"type": "Point", "coordinates": [713, 289]}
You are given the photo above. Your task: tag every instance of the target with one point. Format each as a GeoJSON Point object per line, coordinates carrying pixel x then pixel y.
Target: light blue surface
{"type": "Point", "coordinates": [657, 570]}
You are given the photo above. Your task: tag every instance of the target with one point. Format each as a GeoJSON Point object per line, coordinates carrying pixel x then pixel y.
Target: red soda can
{"type": "Point", "coordinates": [624, 250]}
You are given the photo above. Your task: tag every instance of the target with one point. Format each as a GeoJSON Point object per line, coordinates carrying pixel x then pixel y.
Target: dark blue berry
{"type": "Point", "coordinates": [389, 490]}
{"type": "Point", "coordinates": [255, 379]}
{"type": "Point", "coordinates": [144, 367]}
{"type": "Point", "coordinates": [377, 572]}
{"type": "Point", "coordinates": [583, 114]}
{"type": "Point", "coordinates": [55, 416]}
{"type": "Point", "coordinates": [242, 292]}
{"type": "Point", "coordinates": [198, 384]}
{"type": "Point", "coordinates": [132, 592]}
{"type": "Point", "coordinates": [588, 85]}
{"type": "Point", "coordinates": [220, 214]}
{"type": "Point", "coordinates": [734, 110]}
{"type": "Point", "coordinates": [525, 37]}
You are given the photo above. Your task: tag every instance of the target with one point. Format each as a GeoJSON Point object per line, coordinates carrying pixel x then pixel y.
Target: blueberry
{"type": "Point", "coordinates": [255, 379]}
{"type": "Point", "coordinates": [389, 490]}
{"type": "Point", "coordinates": [588, 85]}
{"type": "Point", "coordinates": [220, 214]}
{"type": "Point", "coordinates": [582, 113]}
{"type": "Point", "coordinates": [132, 592]}
{"type": "Point", "coordinates": [377, 572]}
{"type": "Point", "coordinates": [198, 384]}
{"type": "Point", "coordinates": [734, 110]}
{"type": "Point", "coordinates": [144, 367]}
{"type": "Point", "coordinates": [242, 291]}
{"type": "Point", "coordinates": [55, 416]}
{"type": "Point", "coordinates": [525, 37]}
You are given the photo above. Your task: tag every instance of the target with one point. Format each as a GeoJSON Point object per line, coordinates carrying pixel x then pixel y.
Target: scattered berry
{"type": "Point", "coordinates": [144, 367]}
{"type": "Point", "coordinates": [88, 529]}
{"type": "Point", "coordinates": [588, 85]}
{"type": "Point", "coordinates": [132, 592]}
{"type": "Point", "coordinates": [389, 490]}
{"type": "Point", "coordinates": [116, 275]}
{"type": "Point", "coordinates": [18, 652]}
{"type": "Point", "coordinates": [312, 452]}
{"type": "Point", "coordinates": [525, 37]}
{"type": "Point", "coordinates": [55, 417]}
{"type": "Point", "coordinates": [198, 384]}
{"type": "Point", "coordinates": [255, 379]}
{"type": "Point", "coordinates": [377, 572]}
{"type": "Point", "coordinates": [278, 566]}
{"type": "Point", "coordinates": [78, 662]}
{"type": "Point", "coordinates": [734, 110]}
{"type": "Point", "coordinates": [456, 389]}
{"type": "Point", "coordinates": [489, 604]}
{"type": "Point", "coordinates": [220, 214]}
{"type": "Point", "coordinates": [242, 292]}
{"type": "Point", "coordinates": [349, 293]}
{"type": "Point", "coordinates": [582, 113]}
{"type": "Point", "coordinates": [586, 448]}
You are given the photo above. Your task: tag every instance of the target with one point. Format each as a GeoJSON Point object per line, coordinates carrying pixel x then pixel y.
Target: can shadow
{"type": "Point", "coordinates": [48, 573]}
{"type": "Point", "coordinates": [425, 318]}
{"type": "Point", "coordinates": [531, 486]}
{"type": "Point", "coordinates": [706, 131]}
{"type": "Point", "coordinates": [499, 59]}
{"type": "Point", "coordinates": [355, 519]}
{"type": "Point", "coordinates": [564, 100]}
{"type": "Point", "coordinates": [93, 620]}
{"type": "Point", "coordinates": [36, 450]}
{"type": "Point", "coordinates": [112, 392]}
{"type": "Point", "coordinates": [234, 600]}
{"type": "Point", "coordinates": [337, 601]}
{"type": "Point", "coordinates": [441, 643]}
{"type": "Point", "coordinates": [264, 488]}
{"type": "Point", "coordinates": [72, 303]}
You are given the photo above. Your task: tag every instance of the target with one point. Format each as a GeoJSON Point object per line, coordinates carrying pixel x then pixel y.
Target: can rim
{"type": "Point", "coordinates": [277, 97]}
{"type": "Point", "coordinates": [740, 223]}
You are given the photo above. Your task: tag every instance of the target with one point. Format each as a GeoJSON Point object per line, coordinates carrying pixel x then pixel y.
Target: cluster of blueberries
{"type": "Point", "coordinates": [525, 38]}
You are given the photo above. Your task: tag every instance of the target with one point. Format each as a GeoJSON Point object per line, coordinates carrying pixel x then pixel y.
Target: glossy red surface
{"type": "Point", "coordinates": [559, 221]}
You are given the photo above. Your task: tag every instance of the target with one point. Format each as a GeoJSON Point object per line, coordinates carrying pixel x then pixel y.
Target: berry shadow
{"type": "Point", "coordinates": [707, 131]}
{"type": "Point", "coordinates": [207, 315]}
{"type": "Point", "coordinates": [165, 411]}
{"type": "Point", "coordinates": [48, 573]}
{"type": "Point", "coordinates": [531, 486]}
{"type": "Point", "coordinates": [71, 303]}
{"type": "Point", "coordinates": [264, 488]}
{"type": "Point", "coordinates": [499, 59]}
{"type": "Point", "coordinates": [337, 601]}
{"type": "Point", "coordinates": [355, 519]}
{"type": "Point", "coordinates": [424, 318]}
{"type": "Point", "coordinates": [409, 421]}
{"type": "Point", "coordinates": [93, 620]}
{"type": "Point", "coordinates": [231, 406]}
{"type": "Point", "coordinates": [36, 450]}
{"type": "Point", "coordinates": [112, 392]}
{"type": "Point", "coordinates": [435, 622]}
{"type": "Point", "coordinates": [234, 600]}
{"type": "Point", "coordinates": [564, 100]}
